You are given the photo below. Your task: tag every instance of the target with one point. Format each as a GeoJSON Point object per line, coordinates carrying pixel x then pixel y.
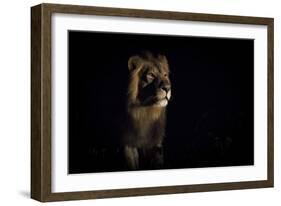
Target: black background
{"type": "Point", "coordinates": [209, 119]}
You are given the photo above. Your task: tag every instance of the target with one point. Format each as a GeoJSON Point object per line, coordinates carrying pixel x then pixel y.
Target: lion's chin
{"type": "Point", "coordinates": [161, 103]}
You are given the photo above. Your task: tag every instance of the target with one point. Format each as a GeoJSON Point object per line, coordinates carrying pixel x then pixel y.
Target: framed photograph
{"type": "Point", "coordinates": [132, 102]}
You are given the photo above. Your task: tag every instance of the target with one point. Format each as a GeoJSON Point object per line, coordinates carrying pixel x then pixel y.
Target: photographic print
{"type": "Point", "coordinates": [128, 102]}
{"type": "Point", "coordinates": [143, 102]}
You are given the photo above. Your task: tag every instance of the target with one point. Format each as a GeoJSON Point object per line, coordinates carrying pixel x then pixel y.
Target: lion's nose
{"type": "Point", "coordinates": [166, 88]}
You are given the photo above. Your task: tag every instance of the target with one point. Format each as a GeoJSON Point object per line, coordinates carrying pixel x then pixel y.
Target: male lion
{"type": "Point", "coordinates": [149, 91]}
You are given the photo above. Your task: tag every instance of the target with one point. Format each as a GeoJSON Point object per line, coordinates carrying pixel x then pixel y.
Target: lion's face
{"type": "Point", "coordinates": [149, 81]}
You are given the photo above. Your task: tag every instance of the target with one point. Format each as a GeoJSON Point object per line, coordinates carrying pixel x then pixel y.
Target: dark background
{"type": "Point", "coordinates": [209, 119]}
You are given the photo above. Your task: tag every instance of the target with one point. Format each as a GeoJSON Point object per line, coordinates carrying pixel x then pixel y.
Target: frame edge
{"type": "Point", "coordinates": [159, 14]}
{"type": "Point", "coordinates": [40, 103]}
{"type": "Point", "coordinates": [270, 99]}
{"type": "Point", "coordinates": [36, 138]}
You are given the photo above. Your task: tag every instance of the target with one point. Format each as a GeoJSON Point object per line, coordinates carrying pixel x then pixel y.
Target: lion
{"type": "Point", "coordinates": [149, 91]}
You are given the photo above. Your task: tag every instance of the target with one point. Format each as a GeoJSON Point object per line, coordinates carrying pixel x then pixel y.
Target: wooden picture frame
{"type": "Point", "coordinates": [41, 101]}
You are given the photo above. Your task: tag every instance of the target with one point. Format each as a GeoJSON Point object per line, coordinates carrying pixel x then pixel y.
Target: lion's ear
{"type": "Point", "coordinates": [163, 59]}
{"type": "Point", "coordinates": [134, 62]}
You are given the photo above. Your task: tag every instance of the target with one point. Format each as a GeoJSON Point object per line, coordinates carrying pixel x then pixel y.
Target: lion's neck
{"type": "Point", "coordinates": [147, 126]}
{"type": "Point", "coordinates": [146, 114]}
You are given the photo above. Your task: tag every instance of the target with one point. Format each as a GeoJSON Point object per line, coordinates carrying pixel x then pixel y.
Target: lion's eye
{"type": "Point", "coordinates": [165, 74]}
{"type": "Point", "coordinates": [150, 76]}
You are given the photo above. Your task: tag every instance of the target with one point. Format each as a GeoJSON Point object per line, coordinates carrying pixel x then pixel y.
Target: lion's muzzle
{"type": "Point", "coordinates": [163, 96]}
